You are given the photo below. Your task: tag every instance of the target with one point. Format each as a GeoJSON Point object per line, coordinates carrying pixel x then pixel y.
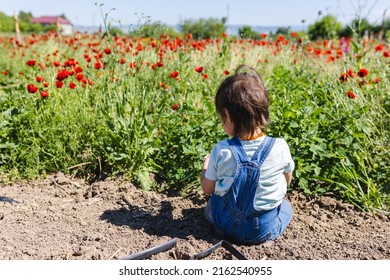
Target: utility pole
{"type": "Point", "coordinates": [383, 23]}
{"type": "Point", "coordinates": [17, 29]}
{"type": "Point", "coordinates": [227, 19]}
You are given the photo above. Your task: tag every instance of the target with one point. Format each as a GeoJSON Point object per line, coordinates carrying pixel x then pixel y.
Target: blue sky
{"type": "Point", "coordinates": [248, 12]}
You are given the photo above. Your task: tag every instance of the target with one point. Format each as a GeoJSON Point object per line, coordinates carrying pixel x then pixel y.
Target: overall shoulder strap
{"type": "Point", "coordinates": [237, 149]}
{"type": "Point", "coordinates": [264, 150]}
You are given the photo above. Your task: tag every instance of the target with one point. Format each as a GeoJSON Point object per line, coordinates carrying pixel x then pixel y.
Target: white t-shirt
{"type": "Point", "coordinates": [272, 183]}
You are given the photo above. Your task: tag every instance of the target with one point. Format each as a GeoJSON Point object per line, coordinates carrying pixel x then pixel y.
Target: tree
{"type": "Point", "coordinates": [63, 16]}
{"type": "Point", "coordinates": [114, 31]}
{"type": "Point", "coordinates": [357, 27]}
{"type": "Point", "coordinates": [246, 32]}
{"type": "Point", "coordinates": [326, 28]}
{"type": "Point", "coordinates": [6, 23]}
{"type": "Point", "coordinates": [204, 28]}
{"type": "Point", "coordinates": [30, 27]}
{"type": "Point", "coordinates": [25, 17]}
{"type": "Point", "coordinates": [154, 30]}
{"type": "Point", "coordinates": [283, 30]}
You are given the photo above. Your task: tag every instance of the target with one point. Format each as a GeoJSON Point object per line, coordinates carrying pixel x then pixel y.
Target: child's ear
{"type": "Point", "coordinates": [227, 116]}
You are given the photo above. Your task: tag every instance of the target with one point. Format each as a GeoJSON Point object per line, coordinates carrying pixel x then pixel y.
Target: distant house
{"type": "Point", "coordinates": [66, 26]}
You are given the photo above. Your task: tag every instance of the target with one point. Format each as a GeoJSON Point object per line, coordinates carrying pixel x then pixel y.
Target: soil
{"type": "Point", "coordinates": [60, 217]}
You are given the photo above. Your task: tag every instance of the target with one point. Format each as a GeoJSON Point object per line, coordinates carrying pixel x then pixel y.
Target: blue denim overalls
{"type": "Point", "coordinates": [234, 215]}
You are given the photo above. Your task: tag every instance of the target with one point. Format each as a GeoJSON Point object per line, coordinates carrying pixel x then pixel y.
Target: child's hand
{"type": "Point", "coordinates": [206, 161]}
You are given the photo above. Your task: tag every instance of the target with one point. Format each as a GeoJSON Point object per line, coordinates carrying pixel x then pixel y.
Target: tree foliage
{"type": "Point", "coordinates": [247, 32]}
{"type": "Point", "coordinates": [326, 28]}
{"type": "Point", "coordinates": [204, 28]}
{"type": "Point", "coordinates": [283, 30]}
{"type": "Point", "coordinates": [6, 23]}
{"type": "Point", "coordinates": [359, 27]}
{"type": "Point", "coordinates": [25, 17]}
{"type": "Point", "coordinates": [154, 30]}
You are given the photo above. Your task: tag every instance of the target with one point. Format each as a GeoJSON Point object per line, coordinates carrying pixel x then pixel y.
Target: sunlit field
{"type": "Point", "coordinates": [144, 108]}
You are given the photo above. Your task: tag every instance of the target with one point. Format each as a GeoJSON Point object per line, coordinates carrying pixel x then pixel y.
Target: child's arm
{"type": "Point", "coordinates": [208, 186]}
{"type": "Point", "coordinates": [288, 177]}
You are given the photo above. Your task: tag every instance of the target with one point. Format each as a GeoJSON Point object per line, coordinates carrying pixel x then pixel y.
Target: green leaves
{"type": "Point", "coordinates": [333, 146]}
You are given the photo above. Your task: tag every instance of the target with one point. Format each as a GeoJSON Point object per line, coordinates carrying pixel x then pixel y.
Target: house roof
{"type": "Point", "coordinates": [50, 20]}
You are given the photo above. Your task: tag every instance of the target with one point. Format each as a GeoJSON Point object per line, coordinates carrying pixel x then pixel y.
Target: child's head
{"type": "Point", "coordinates": [244, 98]}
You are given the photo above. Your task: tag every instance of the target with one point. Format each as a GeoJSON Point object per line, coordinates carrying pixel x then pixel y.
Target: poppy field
{"type": "Point", "coordinates": [94, 106]}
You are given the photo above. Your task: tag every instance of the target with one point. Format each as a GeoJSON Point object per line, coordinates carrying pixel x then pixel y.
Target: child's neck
{"type": "Point", "coordinates": [247, 136]}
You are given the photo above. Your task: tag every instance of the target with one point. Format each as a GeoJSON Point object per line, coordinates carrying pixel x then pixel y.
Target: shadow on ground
{"type": "Point", "coordinates": [159, 220]}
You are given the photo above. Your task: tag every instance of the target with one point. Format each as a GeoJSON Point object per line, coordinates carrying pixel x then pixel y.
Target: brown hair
{"type": "Point", "coordinates": [246, 100]}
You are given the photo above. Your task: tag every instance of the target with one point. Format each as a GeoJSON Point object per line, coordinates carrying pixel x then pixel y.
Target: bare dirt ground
{"type": "Point", "coordinates": [60, 217]}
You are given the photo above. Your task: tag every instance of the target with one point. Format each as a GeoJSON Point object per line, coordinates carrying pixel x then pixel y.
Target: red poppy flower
{"type": "Point", "coordinates": [175, 107]}
{"type": "Point", "coordinates": [31, 88]}
{"type": "Point", "coordinates": [98, 65]}
{"type": "Point", "coordinates": [350, 73]}
{"type": "Point", "coordinates": [376, 80]}
{"type": "Point", "coordinates": [56, 63]}
{"type": "Point", "coordinates": [5, 72]}
{"type": "Point", "coordinates": [70, 62]}
{"type": "Point", "coordinates": [199, 69]}
{"type": "Point", "coordinates": [39, 79]}
{"type": "Point", "coordinates": [59, 84]}
{"type": "Point", "coordinates": [188, 36]}
{"type": "Point", "coordinates": [362, 72]}
{"type": "Point", "coordinates": [45, 84]}
{"type": "Point", "coordinates": [205, 76]}
{"type": "Point", "coordinates": [78, 69]}
{"type": "Point", "coordinates": [330, 58]}
{"type": "Point", "coordinates": [263, 35]}
{"type": "Point", "coordinates": [351, 95]}
{"type": "Point", "coordinates": [107, 51]}
{"type": "Point", "coordinates": [317, 52]}
{"type": "Point", "coordinates": [31, 62]}
{"type": "Point", "coordinates": [294, 34]}
{"type": "Point", "coordinates": [174, 74]}
{"type": "Point", "coordinates": [122, 61]}
{"type": "Point", "coordinates": [62, 75]}
{"type": "Point", "coordinates": [79, 76]}
{"type": "Point", "coordinates": [379, 47]}
{"type": "Point", "coordinates": [226, 72]}
{"type": "Point", "coordinates": [343, 77]}
{"type": "Point", "coordinates": [72, 85]}
{"type": "Point", "coordinates": [44, 94]}
{"type": "Point", "coordinates": [386, 54]}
